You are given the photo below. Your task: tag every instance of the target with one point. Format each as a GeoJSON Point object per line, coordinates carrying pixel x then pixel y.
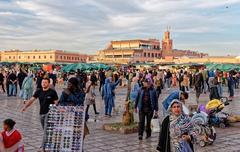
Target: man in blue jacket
{"type": "Point", "coordinates": [147, 104]}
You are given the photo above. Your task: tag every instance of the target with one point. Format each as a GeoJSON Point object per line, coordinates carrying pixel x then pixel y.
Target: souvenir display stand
{"type": "Point", "coordinates": [64, 129]}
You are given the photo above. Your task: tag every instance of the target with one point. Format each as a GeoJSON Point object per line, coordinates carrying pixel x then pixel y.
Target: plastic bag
{"type": "Point", "coordinates": [155, 124]}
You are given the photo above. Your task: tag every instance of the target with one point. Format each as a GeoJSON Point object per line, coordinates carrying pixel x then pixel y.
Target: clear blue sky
{"type": "Point", "coordinates": [211, 26]}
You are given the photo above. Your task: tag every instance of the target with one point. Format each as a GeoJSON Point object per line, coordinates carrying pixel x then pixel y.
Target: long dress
{"type": "Point", "coordinates": [108, 95]}
{"type": "Point", "coordinates": [90, 95]}
{"type": "Point", "coordinates": [27, 88]}
{"type": "Point", "coordinates": [174, 80]}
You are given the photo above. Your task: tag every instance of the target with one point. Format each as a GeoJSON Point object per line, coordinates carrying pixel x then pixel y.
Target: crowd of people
{"type": "Point", "coordinates": [144, 89]}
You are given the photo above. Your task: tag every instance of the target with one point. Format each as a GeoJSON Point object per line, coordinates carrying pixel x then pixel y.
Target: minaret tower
{"type": "Point", "coordinates": [167, 43]}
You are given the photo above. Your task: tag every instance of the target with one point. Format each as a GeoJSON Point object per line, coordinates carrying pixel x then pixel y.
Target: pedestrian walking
{"type": "Point", "coordinates": [205, 81]}
{"type": "Point", "coordinates": [214, 93]}
{"type": "Point", "coordinates": [46, 97]}
{"type": "Point", "coordinates": [198, 83]}
{"type": "Point", "coordinates": [180, 79]}
{"type": "Point", "coordinates": [157, 84]}
{"type": "Point", "coordinates": [147, 105]}
{"type": "Point", "coordinates": [135, 87]}
{"type": "Point", "coordinates": [12, 84]}
{"type": "Point", "coordinates": [20, 77]}
{"type": "Point", "coordinates": [90, 96]}
{"type": "Point", "coordinates": [168, 78]}
{"type": "Point", "coordinates": [108, 95]}
{"type": "Point", "coordinates": [39, 80]}
{"type": "Point", "coordinates": [27, 88]}
{"type": "Point", "coordinates": [2, 81]}
{"type": "Point", "coordinates": [101, 77]}
{"type": "Point", "coordinates": [230, 81]}
{"type": "Point", "coordinates": [185, 82]}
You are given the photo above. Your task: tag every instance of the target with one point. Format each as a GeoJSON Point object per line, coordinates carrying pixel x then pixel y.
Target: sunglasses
{"type": "Point", "coordinates": [64, 128]}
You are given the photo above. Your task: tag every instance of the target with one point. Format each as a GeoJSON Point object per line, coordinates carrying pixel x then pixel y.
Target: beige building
{"type": "Point", "coordinates": [132, 51]}
{"type": "Point", "coordinates": [52, 56]}
{"type": "Point", "coordinates": [128, 51]}
{"type": "Point", "coordinates": [206, 59]}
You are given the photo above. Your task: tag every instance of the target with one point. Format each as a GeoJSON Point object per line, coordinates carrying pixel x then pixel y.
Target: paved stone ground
{"type": "Point", "coordinates": [102, 141]}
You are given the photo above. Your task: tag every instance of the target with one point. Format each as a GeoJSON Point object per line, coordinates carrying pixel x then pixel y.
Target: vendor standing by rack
{"type": "Point", "coordinates": [46, 96]}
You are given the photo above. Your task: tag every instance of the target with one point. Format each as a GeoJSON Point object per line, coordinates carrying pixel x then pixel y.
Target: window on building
{"type": "Point", "coordinates": [9, 57]}
{"type": "Point", "coordinates": [152, 55]}
{"type": "Point", "coordinates": [64, 57]}
{"type": "Point", "coordinates": [28, 57]}
{"type": "Point", "coordinates": [50, 57]}
{"type": "Point", "coordinates": [45, 57]}
{"type": "Point", "coordinates": [145, 54]}
{"type": "Point", "coordinates": [13, 57]}
{"type": "Point", "coordinates": [19, 57]}
{"type": "Point", "coordinates": [33, 57]}
{"type": "Point", "coordinates": [149, 55]}
{"type": "Point", "coordinates": [156, 55]}
{"type": "Point", "coordinates": [60, 57]}
{"type": "Point", "coordinates": [39, 57]}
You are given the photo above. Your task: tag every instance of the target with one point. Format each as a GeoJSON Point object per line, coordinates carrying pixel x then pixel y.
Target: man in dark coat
{"type": "Point", "coordinates": [147, 104]}
{"type": "Point", "coordinates": [21, 76]}
{"type": "Point", "coordinates": [198, 83]}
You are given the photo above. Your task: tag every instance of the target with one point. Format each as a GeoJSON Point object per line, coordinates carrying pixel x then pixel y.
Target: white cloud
{"type": "Point", "coordinates": [213, 4]}
{"type": "Point", "coordinates": [197, 30]}
{"type": "Point", "coordinates": [125, 21]}
{"type": "Point", "coordinates": [43, 12]}
{"type": "Point", "coordinates": [91, 24]}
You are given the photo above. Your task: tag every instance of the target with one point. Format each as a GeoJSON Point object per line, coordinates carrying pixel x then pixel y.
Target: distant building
{"type": "Point", "coordinates": [205, 59]}
{"type": "Point", "coordinates": [51, 56]}
{"type": "Point", "coordinates": [130, 51]}
{"type": "Point", "coordinates": [169, 52]}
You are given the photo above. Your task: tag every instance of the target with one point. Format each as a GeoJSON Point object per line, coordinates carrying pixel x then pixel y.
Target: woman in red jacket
{"type": "Point", "coordinates": [10, 138]}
